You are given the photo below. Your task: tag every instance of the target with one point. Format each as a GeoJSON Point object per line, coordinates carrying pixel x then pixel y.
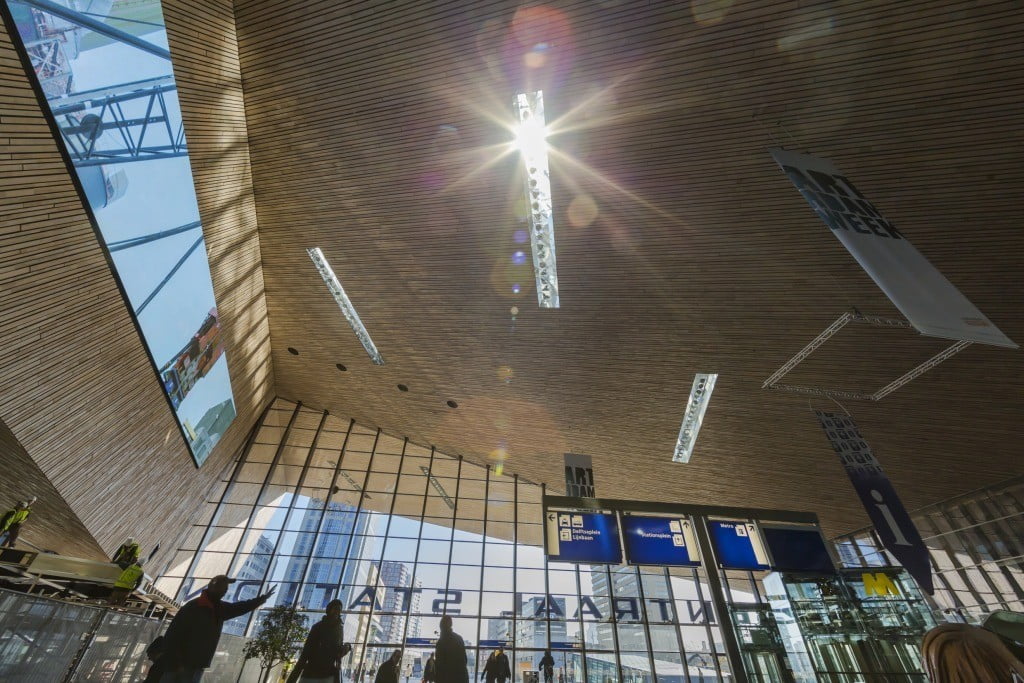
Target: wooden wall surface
{"type": "Point", "coordinates": [76, 387]}
{"type": "Point", "coordinates": [377, 130]}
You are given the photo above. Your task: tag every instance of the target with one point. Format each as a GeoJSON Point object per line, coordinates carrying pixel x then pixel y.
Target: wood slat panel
{"type": "Point", "coordinates": [76, 387]}
{"type": "Point", "coordinates": [371, 125]}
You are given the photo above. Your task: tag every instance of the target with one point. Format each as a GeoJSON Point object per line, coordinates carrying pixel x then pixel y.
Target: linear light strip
{"type": "Point", "coordinates": [532, 146]}
{"type": "Point", "coordinates": [696, 406]}
{"type": "Point", "coordinates": [347, 309]}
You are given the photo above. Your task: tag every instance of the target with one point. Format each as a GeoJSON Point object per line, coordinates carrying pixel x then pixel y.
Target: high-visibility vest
{"type": "Point", "coordinates": [14, 516]}
{"type": "Point", "coordinates": [130, 577]}
{"type": "Point", "coordinates": [127, 551]}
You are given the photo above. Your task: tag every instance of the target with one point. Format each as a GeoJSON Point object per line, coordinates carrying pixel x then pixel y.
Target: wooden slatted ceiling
{"type": "Point", "coordinates": [370, 126]}
{"type": "Point", "coordinates": [76, 387]}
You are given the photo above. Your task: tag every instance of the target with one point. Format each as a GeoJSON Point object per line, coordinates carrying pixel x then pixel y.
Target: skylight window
{"type": "Point", "coordinates": [107, 84]}
{"type": "Point", "coordinates": [696, 406]}
{"type": "Point", "coordinates": [531, 140]}
{"type": "Point", "coordinates": [347, 309]}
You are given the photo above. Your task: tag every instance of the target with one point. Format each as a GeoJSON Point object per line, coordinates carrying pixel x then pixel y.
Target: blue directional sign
{"type": "Point", "coordinates": [797, 549]}
{"type": "Point", "coordinates": [662, 541]}
{"type": "Point", "coordinates": [504, 644]}
{"type": "Point", "coordinates": [738, 545]}
{"type": "Point", "coordinates": [420, 642]}
{"type": "Point", "coordinates": [583, 537]}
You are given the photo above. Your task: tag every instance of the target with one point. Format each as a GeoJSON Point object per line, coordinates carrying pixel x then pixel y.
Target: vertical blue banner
{"type": "Point", "coordinates": [890, 519]}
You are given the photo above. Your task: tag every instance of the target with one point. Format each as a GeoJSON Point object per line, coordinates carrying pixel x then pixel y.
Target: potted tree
{"type": "Point", "coordinates": [278, 638]}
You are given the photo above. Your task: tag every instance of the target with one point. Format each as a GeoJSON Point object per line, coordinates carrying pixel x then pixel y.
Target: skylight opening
{"type": "Point", "coordinates": [531, 140]}
{"type": "Point", "coordinates": [696, 406]}
{"type": "Point", "coordinates": [347, 309]}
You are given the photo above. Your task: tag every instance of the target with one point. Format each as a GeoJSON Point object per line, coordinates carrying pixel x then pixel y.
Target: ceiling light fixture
{"type": "Point", "coordinates": [531, 140]}
{"type": "Point", "coordinates": [696, 406]}
{"type": "Point", "coordinates": [347, 309]}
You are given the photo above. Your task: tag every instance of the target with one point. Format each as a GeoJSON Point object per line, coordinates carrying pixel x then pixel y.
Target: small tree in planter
{"type": "Point", "coordinates": [281, 632]}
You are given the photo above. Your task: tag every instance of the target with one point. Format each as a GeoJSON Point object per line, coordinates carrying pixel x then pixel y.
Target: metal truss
{"type": "Point", "coordinates": [845, 319]}
{"type": "Point", "coordinates": [84, 118]}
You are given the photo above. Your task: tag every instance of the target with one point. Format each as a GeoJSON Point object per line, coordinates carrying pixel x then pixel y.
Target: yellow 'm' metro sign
{"type": "Point", "coordinates": [879, 584]}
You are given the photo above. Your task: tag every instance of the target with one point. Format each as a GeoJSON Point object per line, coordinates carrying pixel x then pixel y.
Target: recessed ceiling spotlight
{"type": "Point", "coordinates": [452, 404]}
{"type": "Point", "coordinates": [402, 387]}
{"type": "Point", "coordinates": [292, 350]}
{"type": "Point", "coordinates": [341, 367]}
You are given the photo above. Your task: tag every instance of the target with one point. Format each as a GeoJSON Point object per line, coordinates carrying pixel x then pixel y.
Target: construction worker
{"type": "Point", "coordinates": [129, 580]}
{"type": "Point", "coordinates": [10, 523]}
{"type": "Point", "coordinates": [127, 553]}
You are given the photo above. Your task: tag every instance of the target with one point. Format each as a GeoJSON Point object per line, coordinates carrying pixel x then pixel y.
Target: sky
{"type": "Point", "coordinates": [160, 195]}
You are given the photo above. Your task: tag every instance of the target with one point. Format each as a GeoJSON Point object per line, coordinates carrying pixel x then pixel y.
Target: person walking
{"type": "Point", "coordinates": [155, 654]}
{"type": "Point", "coordinates": [489, 673]}
{"type": "Point", "coordinates": [389, 670]}
{"type": "Point", "coordinates": [127, 553]}
{"type": "Point", "coordinates": [450, 655]}
{"type": "Point", "coordinates": [10, 523]}
{"type": "Point", "coordinates": [130, 579]}
{"type": "Point", "coordinates": [501, 666]}
{"type": "Point", "coordinates": [191, 639]}
{"type": "Point", "coordinates": [320, 660]}
{"type": "Point", "coordinates": [430, 670]}
{"type": "Point", "coordinates": [547, 666]}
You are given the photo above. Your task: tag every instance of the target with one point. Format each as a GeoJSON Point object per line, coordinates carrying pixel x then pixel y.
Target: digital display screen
{"type": "Point", "coordinates": [661, 541]}
{"type": "Point", "coordinates": [795, 549]}
{"type": "Point", "coordinates": [107, 80]}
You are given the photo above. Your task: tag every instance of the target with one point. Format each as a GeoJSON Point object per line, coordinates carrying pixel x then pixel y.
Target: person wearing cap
{"type": "Point", "coordinates": [320, 660]}
{"type": "Point", "coordinates": [191, 639]}
{"type": "Point", "coordinates": [10, 523]}
{"type": "Point", "coordinates": [127, 553]}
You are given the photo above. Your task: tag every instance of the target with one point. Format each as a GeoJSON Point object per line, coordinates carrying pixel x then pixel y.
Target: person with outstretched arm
{"type": "Point", "coordinates": [450, 655]}
{"type": "Point", "coordinates": [191, 639]}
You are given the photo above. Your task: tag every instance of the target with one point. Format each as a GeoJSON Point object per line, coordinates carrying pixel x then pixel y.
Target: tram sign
{"type": "Point", "coordinates": [661, 541]}
{"type": "Point", "coordinates": [738, 545]}
{"type": "Point", "coordinates": [583, 537]}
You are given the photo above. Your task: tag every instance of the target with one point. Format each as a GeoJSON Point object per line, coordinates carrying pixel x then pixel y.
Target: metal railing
{"type": "Point", "coordinates": [44, 640]}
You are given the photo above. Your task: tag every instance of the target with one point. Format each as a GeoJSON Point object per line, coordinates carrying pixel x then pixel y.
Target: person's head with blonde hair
{"type": "Point", "coordinates": [961, 653]}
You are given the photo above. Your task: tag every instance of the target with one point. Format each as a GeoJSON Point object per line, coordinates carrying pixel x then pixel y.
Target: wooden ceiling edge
{"type": "Point", "coordinates": [480, 461]}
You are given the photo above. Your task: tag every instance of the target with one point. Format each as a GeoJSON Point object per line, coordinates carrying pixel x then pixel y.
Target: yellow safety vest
{"type": "Point", "coordinates": [129, 577]}
{"type": "Point", "coordinates": [15, 516]}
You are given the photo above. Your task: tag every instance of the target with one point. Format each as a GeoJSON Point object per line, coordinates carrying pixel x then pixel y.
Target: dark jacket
{"type": "Point", "coordinates": [322, 653]}
{"type": "Point", "coordinates": [450, 659]}
{"type": "Point", "coordinates": [388, 672]}
{"type": "Point", "coordinates": [191, 639]}
{"type": "Point", "coordinates": [155, 652]}
{"type": "Point", "coordinates": [547, 665]}
{"type": "Point", "coordinates": [502, 671]}
{"type": "Point", "coordinates": [430, 671]}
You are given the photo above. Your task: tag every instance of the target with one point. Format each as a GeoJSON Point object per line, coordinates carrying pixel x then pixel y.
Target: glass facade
{"type": "Point", "coordinates": [976, 544]}
{"type": "Point", "coordinates": [325, 508]}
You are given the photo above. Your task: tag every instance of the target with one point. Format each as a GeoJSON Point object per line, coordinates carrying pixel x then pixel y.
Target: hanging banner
{"type": "Point", "coordinates": [890, 519]}
{"type": "Point", "coordinates": [579, 476]}
{"type": "Point", "coordinates": [930, 302]}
